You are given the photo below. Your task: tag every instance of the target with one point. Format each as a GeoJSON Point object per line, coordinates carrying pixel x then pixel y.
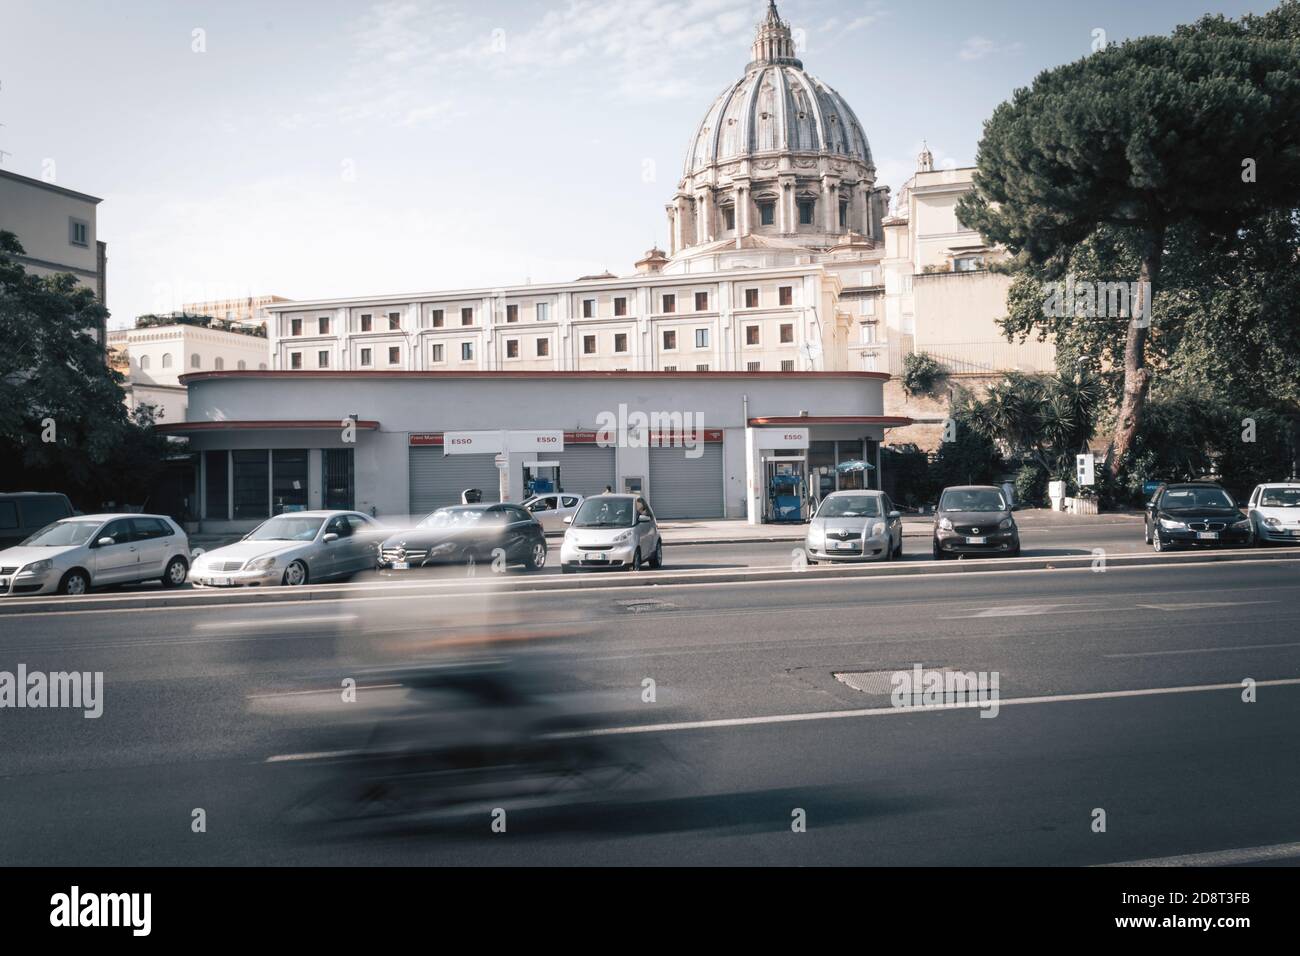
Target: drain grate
{"type": "Point", "coordinates": [641, 605]}
{"type": "Point", "coordinates": [878, 683]}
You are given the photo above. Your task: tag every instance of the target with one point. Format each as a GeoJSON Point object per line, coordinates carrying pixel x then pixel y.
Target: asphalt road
{"type": "Point", "coordinates": [1101, 707]}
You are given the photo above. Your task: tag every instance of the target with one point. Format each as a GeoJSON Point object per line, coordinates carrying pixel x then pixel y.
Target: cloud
{"type": "Point", "coordinates": [978, 47]}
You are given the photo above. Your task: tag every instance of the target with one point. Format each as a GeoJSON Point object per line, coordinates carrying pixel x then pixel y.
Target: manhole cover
{"type": "Point", "coordinates": [880, 683]}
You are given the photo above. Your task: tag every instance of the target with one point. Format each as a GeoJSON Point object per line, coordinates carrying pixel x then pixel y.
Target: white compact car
{"type": "Point", "coordinates": [616, 532]}
{"type": "Point", "coordinates": [73, 555]}
{"type": "Point", "coordinates": [551, 509]}
{"type": "Point", "coordinates": [1274, 511]}
{"type": "Point", "coordinates": [295, 548]}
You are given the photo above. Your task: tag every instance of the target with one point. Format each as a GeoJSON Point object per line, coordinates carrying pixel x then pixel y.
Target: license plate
{"type": "Point", "coordinates": [401, 565]}
{"type": "Point", "coordinates": [1208, 535]}
{"type": "Point", "coordinates": [844, 545]}
{"type": "Point", "coordinates": [596, 558]}
{"type": "Point", "coordinates": [219, 582]}
{"type": "Point", "coordinates": [978, 540]}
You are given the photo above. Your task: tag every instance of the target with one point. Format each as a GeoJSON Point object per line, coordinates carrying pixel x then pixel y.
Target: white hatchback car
{"type": "Point", "coordinates": [1274, 510]}
{"type": "Point", "coordinates": [612, 532]}
{"type": "Point", "coordinates": [73, 555]}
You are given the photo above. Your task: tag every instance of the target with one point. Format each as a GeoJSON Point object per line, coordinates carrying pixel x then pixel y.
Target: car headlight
{"type": "Point", "coordinates": [1169, 524]}
{"type": "Point", "coordinates": [945, 524]}
{"type": "Point", "coordinates": [877, 529]}
{"type": "Point", "coordinates": [1242, 525]}
{"type": "Point", "coordinates": [260, 564]}
{"type": "Point", "coordinates": [623, 538]}
{"type": "Point", "coordinates": [1006, 524]}
{"type": "Point", "coordinates": [1273, 522]}
{"type": "Point", "coordinates": [37, 567]}
{"type": "Point", "coordinates": [443, 548]}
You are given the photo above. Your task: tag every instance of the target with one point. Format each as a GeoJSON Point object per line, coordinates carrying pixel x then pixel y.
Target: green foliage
{"type": "Point", "coordinates": [922, 373]}
{"type": "Point", "coordinates": [203, 321]}
{"type": "Point", "coordinates": [907, 469]}
{"type": "Point", "coordinates": [54, 379]}
{"type": "Point", "coordinates": [1045, 419]}
{"type": "Point", "coordinates": [1031, 485]}
{"type": "Point", "coordinates": [971, 459]}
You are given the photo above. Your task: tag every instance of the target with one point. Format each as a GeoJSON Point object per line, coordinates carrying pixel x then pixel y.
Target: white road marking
{"type": "Point", "coordinates": [324, 690]}
{"type": "Point", "coordinates": [1197, 607]}
{"type": "Point", "coordinates": [275, 622]}
{"type": "Point", "coordinates": [1204, 650]}
{"type": "Point", "coordinates": [1251, 854]}
{"type": "Point", "coordinates": [321, 755]}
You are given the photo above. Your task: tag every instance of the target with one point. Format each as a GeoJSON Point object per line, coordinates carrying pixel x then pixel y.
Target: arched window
{"type": "Point", "coordinates": [144, 361]}
{"type": "Point", "coordinates": [167, 360]}
{"type": "Point", "coordinates": [194, 361]}
{"type": "Point", "coordinates": [219, 364]}
{"type": "Point", "coordinates": [242, 365]}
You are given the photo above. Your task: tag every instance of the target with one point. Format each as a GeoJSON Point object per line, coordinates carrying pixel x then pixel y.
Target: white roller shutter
{"type": "Point", "coordinates": [437, 480]}
{"type": "Point", "coordinates": [682, 487]}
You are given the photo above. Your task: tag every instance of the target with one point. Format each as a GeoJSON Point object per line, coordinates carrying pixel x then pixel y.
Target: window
{"type": "Point", "coordinates": [242, 365]}
{"type": "Point", "coordinates": [543, 311]}
{"type": "Point", "coordinates": [701, 338]}
{"type": "Point", "coordinates": [436, 352]}
{"type": "Point", "coordinates": [8, 515]}
{"type": "Point", "coordinates": [78, 232]}
{"type": "Point", "coordinates": [806, 209]}
{"type": "Point", "coordinates": [751, 335]}
{"type": "Point", "coordinates": [367, 357]}
{"type": "Point", "coordinates": [787, 365]}
{"type": "Point", "coordinates": [195, 361]}
{"type": "Point", "coordinates": [367, 322]}
{"type": "Point", "coordinates": [751, 298]}
{"type": "Point", "coordinates": [467, 351]}
{"type": "Point", "coordinates": [295, 360]}
{"type": "Point", "coordinates": [288, 480]}
{"type": "Point", "coordinates": [322, 359]}
{"type": "Point", "coordinates": [968, 263]}
{"type": "Point", "coordinates": [620, 305]}
{"type": "Point", "coordinates": [670, 339]}
{"type": "Point", "coordinates": [167, 360]}
{"type": "Point", "coordinates": [867, 335]}
{"type": "Point", "coordinates": [753, 366]}
{"type": "Point", "coordinates": [785, 295]}
{"type": "Point", "coordinates": [338, 478]}
{"type": "Point", "coordinates": [395, 355]}
{"type": "Point", "coordinates": [437, 316]}
{"type": "Point", "coordinates": [144, 361]}
{"type": "Point", "coordinates": [787, 333]}
{"type": "Point", "coordinates": [701, 368]}
{"type": "Point", "coordinates": [589, 345]}
{"type": "Point", "coordinates": [670, 303]}
{"type": "Point", "coordinates": [767, 212]}
{"type": "Point", "coordinates": [543, 346]}
{"type": "Point", "coordinates": [729, 217]}
{"type": "Point", "coordinates": [295, 326]}
{"type": "Point", "coordinates": [394, 321]}
{"type": "Point", "coordinates": [467, 316]}
{"type": "Point", "coordinates": [219, 364]}
{"type": "Point", "coordinates": [620, 342]}
{"type": "Point", "coordinates": [588, 308]}
{"type": "Point", "coordinates": [216, 471]}
{"type": "Point", "coordinates": [701, 302]}
{"type": "Point", "coordinates": [323, 325]}
{"type": "Point", "coordinates": [512, 313]}
{"type": "Point", "coordinates": [670, 368]}
{"type": "Point", "coordinates": [252, 473]}
{"type": "Point", "coordinates": [868, 278]}
{"type": "Point", "coordinates": [844, 214]}
{"type": "Point", "coordinates": [512, 348]}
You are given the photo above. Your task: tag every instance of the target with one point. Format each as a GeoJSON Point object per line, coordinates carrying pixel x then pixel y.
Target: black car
{"type": "Point", "coordinates": [468, 534]}
{"type": "Point", "coordinates": [974, 519]}
{"type": "Point", "coordinates": [1196, 514]}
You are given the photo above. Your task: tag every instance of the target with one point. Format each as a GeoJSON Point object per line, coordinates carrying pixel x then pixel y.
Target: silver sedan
{"type": "Point", "coordinates": [295, 548]}
{"type": "Point", "coordinates": [855, 526]}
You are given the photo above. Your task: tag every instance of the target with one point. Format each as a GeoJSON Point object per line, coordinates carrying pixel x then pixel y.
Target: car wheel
{"type": "Point", "coordinates": [1157, 543]}
{"type": "Point", "coordinates": [174, 576]}
{"type": "Point", "coordinates": [75, 582]}
{"type": "Point", "coordinates": [889, 550]}
{"type": "Point", "coordinates": [636, 560]}
{"type": "Point", "coordinates": [1146, 532]}
{"type": "Point", "coordinates": [898, 552]}
{"type": "Point", "coordinates": [658, 560]}
{"type": "Point", "coordinates": [938, 553]}
{"type": "Point", "coordinates": [295, 575]}
{"type": "Point", "coordinates": [537, 556]}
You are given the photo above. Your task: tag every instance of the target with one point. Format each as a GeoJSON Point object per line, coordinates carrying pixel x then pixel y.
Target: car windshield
{"type": "Point", "coordinates": [605, 513]}
{"type": "Point", "coordinates": [972, 499]}
{"type": "Point", "coordinates": [1179, 499]}
{"type": "Point", "coordinates": [286, 528]}
{"type": "Point", "coordinates": [1280, 498]}
{"type": "Point", "coordinates": [453, 518]}
{"type": "Point", "coordinates": [62, 534]}
{"type": "Point", "coordinates": [850, 506]}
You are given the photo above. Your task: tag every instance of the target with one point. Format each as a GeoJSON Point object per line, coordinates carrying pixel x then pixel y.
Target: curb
{"type": "Point", "coordinates": [181, 600]}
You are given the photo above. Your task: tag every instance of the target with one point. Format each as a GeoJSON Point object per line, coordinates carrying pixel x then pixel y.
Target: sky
{"type": "Point", "coordinates": [330, 148]}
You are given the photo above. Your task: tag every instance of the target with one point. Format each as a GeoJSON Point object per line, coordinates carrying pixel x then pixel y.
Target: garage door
{"type": "Point", "coordinates": [584, 469]}
{"type": "Point", "coordinates": [682, 487]}
{"type": "Point", "coordinates": [438, 480]}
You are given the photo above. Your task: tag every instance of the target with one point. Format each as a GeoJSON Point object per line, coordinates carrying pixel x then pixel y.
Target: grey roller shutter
{"type": "Point", "coordinates": [584, 469]}
{"type": "Point", "coordinates": [682, 487]}
{"type": "Point", "coordinates": [437, 479]}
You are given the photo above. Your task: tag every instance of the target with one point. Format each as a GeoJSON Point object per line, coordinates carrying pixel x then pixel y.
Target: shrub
{"type": "Point", "coordinates": [922, 373]}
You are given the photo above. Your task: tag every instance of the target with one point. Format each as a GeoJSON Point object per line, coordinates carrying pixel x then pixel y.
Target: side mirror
{"type": "Point", "coordinates": [104, 542]}
{"type": "Point", "coordinates": [643, 519]}
{"type": "Point", "coordinates": [895, 514]}
{"type": "Point", "coordinates": [330, 537]}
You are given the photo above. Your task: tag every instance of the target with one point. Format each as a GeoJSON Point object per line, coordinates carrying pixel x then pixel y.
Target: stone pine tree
{"type": "Point", "coordinates": [1201, 128]}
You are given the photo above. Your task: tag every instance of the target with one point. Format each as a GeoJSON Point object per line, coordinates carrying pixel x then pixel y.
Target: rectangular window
{"type": "Point", "coordinates": [588, 308]}
{"type": "Point", "coordinates": [751, 335]}
{"type": "Point", "coordinates": [867, 335]}
{"type": "Point", "coordinates": [288, 480]}
{"type": "Point", "coordinates": [295, 326]}
{"type": "Point", "coordinates": [701, 302]}
{"type": "Point", "coordinates": [78, 232]}
{"type": "Point", "coordinates": [589, 345]}
{"type": "Point", "coordinates": [366, 357]}
{"type": "Point", "coordinates": [670, 368]}
{"type": "Point", "coordinates": [437, 353]}
{"type": "Point", "coordinates": [786, 295]}
{"type": "Point", "coordinates": [701, 338]}
{"type": "Point", "coordinates": [767, 213]}
{"type": "Point", "coordinates": [806, 207]}
{"type": "Point", "coordinates": [438, 319]}
{"type": "Point", "coordinates": [729, 217]}
{"type": "Point", "coordinates": [751, 298]}
{"type": "Point", "coordinates": [620, 341]}
{"type": "Point", "coordinates": [323, 325]}
{"type": "Point", "coordinates": [670, 303]}
{"type": "Point", "coordinates": [543, 311]}
{"type": "Point", "coordinates": [752, 366]}
{"type": "Point", "coordinates": [670, 339]}
{"type": "Point", "coordinates": [322, 360]}
{"type": "Point", "coordinates": [394, 321]}
{"type": "Point", "coordinates": [216, 491]}
{"type": "Point", "coordinates": [295, 360]}
{"type": "Point", "coordinates": [395, 355]}
{"type": "Point", "coordinates": [338, 479]}
{"type": "Point", "coordinates": [367, 322]}
{"type": "Point", "coordinates": [844, 214]}
{"type": "Point", "coordinates": [543, 346]}
{"type": "Point", "coordinates": [787, 333]}
{"type": "Point", "coordinates": [701, 368]}
{"type": "Point", "coordinates": [620, 305]}
{"type": "Point", "coordinates": [787, 365]}
{"type": "Point", "coordinates": [467, 316]}
{"type": "Point", "coordinates": [467, 351]}
{"type": "Point", "coordinates": [252, 470]}
{"type": "Point", "coordinates": [512, 348]}
{"type": "Point", "coordinates": [512, 313]}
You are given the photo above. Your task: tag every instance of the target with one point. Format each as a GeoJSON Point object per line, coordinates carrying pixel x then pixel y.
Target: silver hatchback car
{"type": "Point", "coordinates": [855, 526]}
{"type": "Point", "coordinates": [612, 532]}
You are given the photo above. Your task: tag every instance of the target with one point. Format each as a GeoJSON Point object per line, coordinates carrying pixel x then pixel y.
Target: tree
{"type": "Point", "coordinates": [1142, 137]}
{"type": "Point", "coordinates": [63, 423]}
{"type": "Point", "coordinates": [1046, 419]}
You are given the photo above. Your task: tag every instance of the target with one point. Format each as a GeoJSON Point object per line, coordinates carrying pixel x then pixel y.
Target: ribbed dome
{"type": "Point", "coordinates": [777, 107]}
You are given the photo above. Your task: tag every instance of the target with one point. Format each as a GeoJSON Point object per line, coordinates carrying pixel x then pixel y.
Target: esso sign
{"type": "Point", "coordinates": [770, 439]}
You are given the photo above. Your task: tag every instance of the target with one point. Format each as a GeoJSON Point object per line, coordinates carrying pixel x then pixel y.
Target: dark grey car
{"type": "Point", "coordinates": [974, 520]}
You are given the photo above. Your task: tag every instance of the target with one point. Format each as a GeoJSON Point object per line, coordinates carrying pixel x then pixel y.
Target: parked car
{"type": "Point", "coordinates": [23, 513]}
{"type": "Point", "coordinates": [73, 555]}
{"type": "Point", "coordinates": [974, 519]}
{"type": "Point", "coordinates": [467, 534]}
{"type": "Point", "coordinates": [612, 532]}
{"type": "Point", "coordinates": [1274, 512]}
{"type": "Point", "coordinates": [552, 509]}
{"type": "Point", "coordinates": [292, 549]}
{"type": "Point", "coordinates": [855, 526]}
{"type": "Point", "coordinates": [1198, 514]}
